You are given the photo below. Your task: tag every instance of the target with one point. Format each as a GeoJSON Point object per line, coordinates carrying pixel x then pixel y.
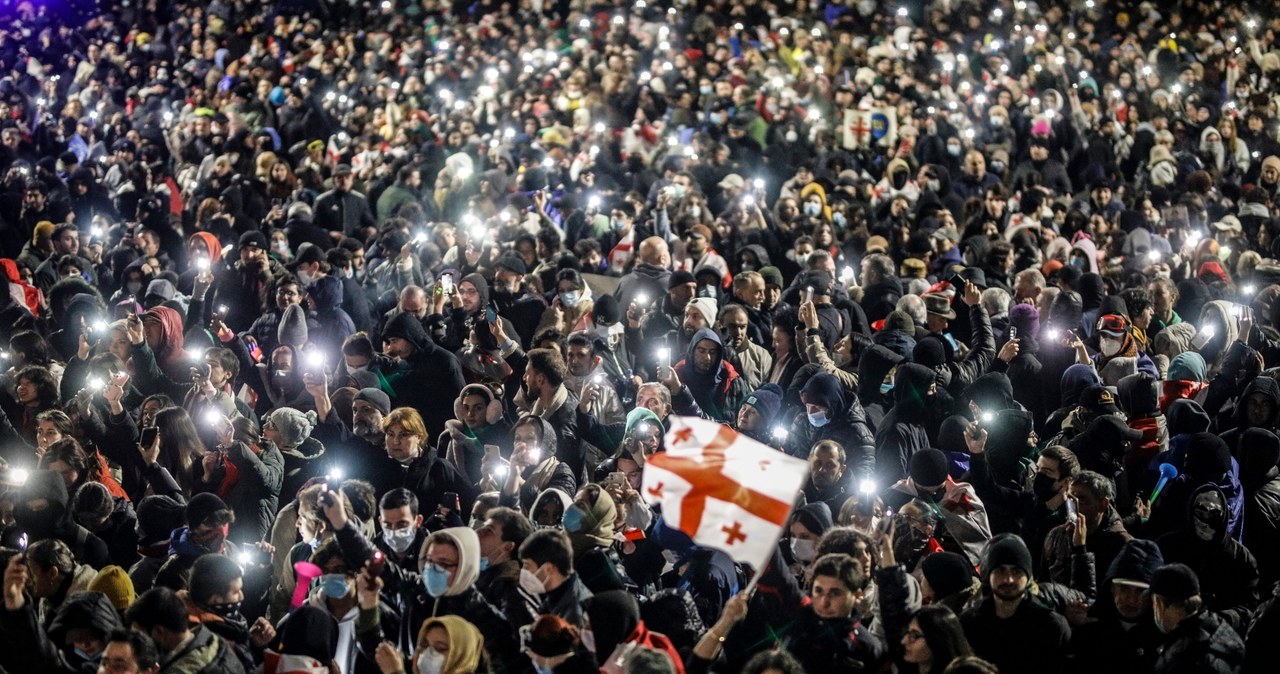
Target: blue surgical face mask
{"type": "Point", "coordinates": [812, 209]}
{"type": "Point", "coordinates": [484, 563]}
{"type": "Point", "coordinates": [818, 419]}
{"type": "Point", "coordinates": [840, 219]}
{"type": "Point", "coordinates": [91, 658]}
{"type": "Point", "coordinates": [717, 118]}
{"type": "Point", "coordinates": [574, 519]}
{"type": "Point", "coordinates": [569, 299]}
{"type": "Point", "coordinates": [704, 90]}
{"type": "Point", "coordinates": [435, 580]}
{"type": "Point", "coordinates": [334, 585]}
{"type": "Point", "coordinates": [954, 150]}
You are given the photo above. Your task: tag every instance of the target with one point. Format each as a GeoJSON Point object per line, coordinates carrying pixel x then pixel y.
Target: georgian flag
{"type": "Point", "coordinates": [723, 489]}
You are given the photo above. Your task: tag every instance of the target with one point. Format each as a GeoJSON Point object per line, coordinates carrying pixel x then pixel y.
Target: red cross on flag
{"type": "Point", "coordinates": [725, 490]}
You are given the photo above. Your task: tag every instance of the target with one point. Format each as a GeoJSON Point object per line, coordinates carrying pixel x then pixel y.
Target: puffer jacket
{"type": "Point", "coordinates": [1059, 563]}
{"type": "Point", "coordinates": [1201, 644]}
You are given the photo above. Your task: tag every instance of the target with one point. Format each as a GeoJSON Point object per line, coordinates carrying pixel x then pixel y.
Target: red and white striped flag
{"type": "Point", "coordinates": [723, 489]}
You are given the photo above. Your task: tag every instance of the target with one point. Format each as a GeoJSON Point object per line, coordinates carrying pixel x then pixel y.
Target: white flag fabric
{"type": "Point", "coordinates": [723, 489]}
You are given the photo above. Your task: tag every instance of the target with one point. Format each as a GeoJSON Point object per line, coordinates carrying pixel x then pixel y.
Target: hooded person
{"type": "Point", "coordinates": [41, 510]}
{"type": "Point", "coordinates": [874, 392]}
{"type": "Point", "coordinates": [84, 618]}
{"type": "Point", "coordinates": [1218, 329]}
{"type": "Point", "coordinates": [1228, 570]}
{"type": "Point", "coordinates": [716, 386]}
{"type": "Point", "coordinates": [589, 520]}
{"type": "Point", "coordinates": [164, 332]}
{"type": "Point", "coordinates": [450, 564]}
{"type": "Point", "coordinates": [1122, 637]}
{"type": "Point", "coordinates": [333, 324]}
{"type": "Point", "coordinates": [405, 338]}
{"type": "Point", "coordinates": [305, 644]}
{"type": "Point", "coordinates": [466, 651]}
{"type": "Point", "coordinates": [1115, 341]}
{"type": "Point", "coordinates": [1257, 407]}
{"type": "Point", "coordinates": [903, 430]}
{"type": "Point", "coordinates": [535, 468]}
{"type": "Point", "coordinates": [1186, 377]}
{"type": "Point", "coordinates": [1138, 397]}
{"type": "Point", "coordinates": [616, 628]}
{"type": "Point", "coordinates": [1075, 381]}
{"type": "Point", "coordinates": [831, 415]}
{"type": "Point", "coordinates": [1260, 476]}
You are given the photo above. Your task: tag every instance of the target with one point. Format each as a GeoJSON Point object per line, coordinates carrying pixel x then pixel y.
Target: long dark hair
{"type": "Point", "coordinates": [943, 634]}
{"type": "Point", "coordinates": [180, 445]}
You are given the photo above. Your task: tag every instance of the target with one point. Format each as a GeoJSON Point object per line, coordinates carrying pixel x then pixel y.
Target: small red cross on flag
{"type": "Point", "coordinates": [714, 486]}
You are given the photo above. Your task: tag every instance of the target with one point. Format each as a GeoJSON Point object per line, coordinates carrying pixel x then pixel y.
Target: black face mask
{"type": "Point", "coordinates": [229, 612]}
{"type": "Point", "coordinates": [1044, 488]}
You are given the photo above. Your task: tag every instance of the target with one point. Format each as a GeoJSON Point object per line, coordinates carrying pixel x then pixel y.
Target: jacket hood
{"type": "Point", "coordinates": [468, 545]}
{"type": "Point", "coordinates": [911, 384]}
{"type": "Point", "coordinates": [407, 327]}
{"type": "Point", "coordinates": [1188, 365]}
{"type": "Point", "coordinates": [171, 326]}
{"type": "Point", "coordinates": [896, 341]}
{"type": "Point", "coordinates": [690, 373]}
{"type": "Point", "coordinates": [1138, 395]}
{"type": "Point", "coordinates": [326, 291]}
{"type": "Point", "coordinates": [1186, 416]}
{"type": "Point", "coordinates": [873, 366]}
{"type": "Point", "coordinates": [992, 391]}
{"type": "Point", "coordinates": [1192, 296]}
{"type": "Point", "coordinates": [1137, 560]}
{"type": "Point", "coordinates": [1220, 525]}
{"type": "Point", "coordinates": [1264, 386]}
{"type": "Point", "coordinates": [550, 493]}
{"type": "Point", "coordinates": [1261, 453]}
{"type": "Point", "coordinates": [1086, 246]}
{"type": "Point", "coordinates": [46, 484]}
{"type": "Point", "coordinates": [84, 610]}
{"type": "Point", "coordinates": [1067, 311]}
{"type": "Point", "coordinates": [1075, 380]}
{"type": "Point", "coordinates": [761, 255]}
{"type": "Point", "coordinates": [1092, 291]}
{"type": "Point", "coordinates": [815, 517]}
{"type": "Point", "coordinates": [481, 286]}
{"type": "Point", "coordinates": [211, 243]}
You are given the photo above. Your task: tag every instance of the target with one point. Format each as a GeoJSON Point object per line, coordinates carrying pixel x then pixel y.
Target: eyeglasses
{"type": "Point", "coordinates": [914, 635]}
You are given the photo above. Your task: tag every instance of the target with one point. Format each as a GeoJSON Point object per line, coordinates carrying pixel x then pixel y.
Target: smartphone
{"type": "Point", "coordinates": [617, 478]}
{"type": "Point", "coordinates": [450, 501]}
{"type": "Point", "coordinates": [633, 535]}
{"type": "Point", "coordinates": [446, 284]}
{"type": "Point", "coordinates": [149, 435]}
{"type": "Point", "coordinates": [377, 563]}
{"type": "Point", "coordinates": [490, 314]}
{"type": "Point", "coordinates": [1013, 333]}
{"type": "Point", "coordinates": [807, 296]}
{"type": "Point", "coordinates": [202, 369]}
{"type": "Point", "coordinates": [1072, 512]}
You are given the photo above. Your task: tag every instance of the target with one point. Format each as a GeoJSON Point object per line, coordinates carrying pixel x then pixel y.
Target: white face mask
{"type": "Point", "coordinates": [803, 550]}
{"type": "Point", "coordinates": [531, 583]}
{"type": "Point", "coordinates": [792, 136]}
{"type": "Point", "coordinates": [1110, 346]}
{"type": "Point", "coordinates": [430, 661]}
{"type": "Point", "coordinates": [399, 539]}
{"type": "Point", "coordinates": [695, 212]}
{"type": "Point", "coordinates": [306, 277]}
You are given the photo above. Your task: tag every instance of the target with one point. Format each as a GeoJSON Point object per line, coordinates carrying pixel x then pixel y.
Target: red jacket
{"type": "Point", "coordinates": [1179, 389]}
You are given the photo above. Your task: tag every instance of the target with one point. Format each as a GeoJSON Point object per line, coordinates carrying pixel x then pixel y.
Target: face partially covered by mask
{"type": "Point", "coordinates": [1109, 345]}
{"type": "Point", "coordinates": [1208, 515]}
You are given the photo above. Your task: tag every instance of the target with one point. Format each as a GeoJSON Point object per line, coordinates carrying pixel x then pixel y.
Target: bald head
{"type": "Point", "coordinates": [654, 251]}
{"type": "Point", "coordinates": [413, 300]}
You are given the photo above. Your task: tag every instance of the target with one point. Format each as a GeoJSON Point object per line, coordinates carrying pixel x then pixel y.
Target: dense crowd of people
{"type": "Point", "coordinates": [337, 336]}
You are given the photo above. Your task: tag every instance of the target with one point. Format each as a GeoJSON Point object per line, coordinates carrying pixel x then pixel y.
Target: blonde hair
{"type": "Point", "coordinates": [408, 419]}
